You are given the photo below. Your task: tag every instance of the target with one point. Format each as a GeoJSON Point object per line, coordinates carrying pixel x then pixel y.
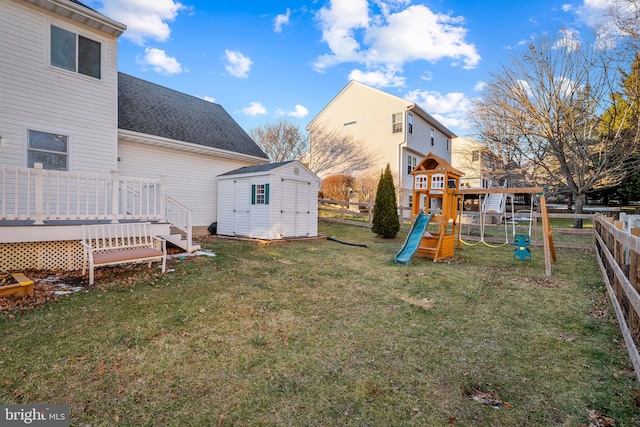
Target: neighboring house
{"type": "Point", "coordinates": [393, 130]}
{"type": "Point", "coordinates": [80, 142]}
{"type": "Point", "coordinates": [271, 201]}
{"type": "Point", "coordinates": [468, 156]}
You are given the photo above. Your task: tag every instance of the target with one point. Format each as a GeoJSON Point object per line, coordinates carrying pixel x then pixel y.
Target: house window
{"type": "Point", "coordinates": [410, 123]}
{"type": "Point", "coordinates": [410, 201]}
{"type": "Point", "coordinates": [433, 138]}
{"type": "Point", "coordinates": [448, 144]}
{"type": "Point", "coordinates": [475, 155]}
{"type": "Point", "coordinates": [260, 194]}
{"type": "Point", "coordinates": [396, 120]}
{"type": "Point", "coordinates": [50, 149]}
{"type": "Point", "coordinates": [411, 164]}
{"type": "Point", "coordinates": [74, 52]}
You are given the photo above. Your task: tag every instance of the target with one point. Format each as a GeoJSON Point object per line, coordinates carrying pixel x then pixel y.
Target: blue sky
{"type": "Point", "coordinates": [268, 60]}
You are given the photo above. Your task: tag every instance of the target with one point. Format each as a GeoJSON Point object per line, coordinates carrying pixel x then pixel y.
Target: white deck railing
{"type": "Point", "coordinates": [39, 195]}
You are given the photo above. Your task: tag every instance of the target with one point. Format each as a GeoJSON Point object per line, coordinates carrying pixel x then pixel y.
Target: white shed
{"type": "Point", "coordinates": [270, 201]}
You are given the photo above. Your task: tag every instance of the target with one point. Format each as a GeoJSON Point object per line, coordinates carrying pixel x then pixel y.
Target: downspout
{"type": "Point", "coordinates": [400, 171]}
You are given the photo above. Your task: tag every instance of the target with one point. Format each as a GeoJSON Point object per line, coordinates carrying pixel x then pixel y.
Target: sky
{"type": "Point", "coordinates": [265, 61]}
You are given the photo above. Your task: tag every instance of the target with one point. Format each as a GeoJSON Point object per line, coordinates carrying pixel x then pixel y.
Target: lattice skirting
{"type": "Point", "coordinates": [62, 255]}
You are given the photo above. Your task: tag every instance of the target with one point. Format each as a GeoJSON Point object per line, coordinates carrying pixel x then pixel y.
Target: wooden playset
{"type": "Point", "coordinates": [434, 183]}
{"type": "Point", "coordinates": [437, 193]}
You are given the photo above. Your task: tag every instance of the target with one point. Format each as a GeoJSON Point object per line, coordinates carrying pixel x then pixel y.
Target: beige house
{"type": "Point", "coordinates": [393, 130]}
{"type": "Point", "coordinates": [467, 156]}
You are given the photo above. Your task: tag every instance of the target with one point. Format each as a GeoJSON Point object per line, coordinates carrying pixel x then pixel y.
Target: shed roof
{"type": "Point", "coordinates": [267, 167]}
{"type": "Point", "coordinates": [152, 109]}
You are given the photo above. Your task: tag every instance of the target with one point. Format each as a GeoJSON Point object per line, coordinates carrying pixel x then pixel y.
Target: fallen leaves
{"type": "Point", "coordinates": [491, 398]}
{"type": "Point", "coordinates": [596, 419]}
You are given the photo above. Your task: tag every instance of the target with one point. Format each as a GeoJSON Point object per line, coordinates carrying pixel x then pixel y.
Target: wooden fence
{"type": "Point", "coordinates": [361, 214]}
{"type": "Point", "coordinates": [618, 255]}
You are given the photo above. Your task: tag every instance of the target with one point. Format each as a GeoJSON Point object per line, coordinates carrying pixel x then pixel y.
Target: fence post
{"type": "Point", "coordinates": [115, 196]}
{"type": "Point", "coordinates": [38, 191]}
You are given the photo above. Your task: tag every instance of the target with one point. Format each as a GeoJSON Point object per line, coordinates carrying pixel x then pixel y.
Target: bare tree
{"type": "Point", "coordinates": [332, 152]}
{"type": "Point", "coordinates": [544, 109]}
{"type": "Point", "coordinates": [622, 17]}
{"type": "Point", "coordinates": [366, 186]}
{"type": "Point", "coordinates": [338, 187]}
{"type": "Point", "coordinates": [281, 140]}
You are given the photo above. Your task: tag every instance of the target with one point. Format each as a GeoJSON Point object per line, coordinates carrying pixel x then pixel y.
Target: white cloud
{"type": "Point", "coordinates": [569, 39]}
{"type": "Point", "coordinates": [339, 23]}
{"type": "Point", "coordinates": [299, 112]}
{"type": "Point", "coordinates": [378, 78]}
{"type": "Point", "coordinates": [440, 36]}
{"type": "Point", "coordinates": [566, 7]}
{"type": "Point", "coordinates": [161, 63]}
{"type": "Point", "coordinates": [281, 20]}
{"type": "Point", "coordinates": [145, 19]}
{"type": "Point", "coordinates": [209, 98]}
{"type": "Point", "coordinates": [449, 109]}
{"type": "Point", "coordinates": [427, 76]}
{"type": "Point", "coordinates": [238, 65]}
{"type": "Point", "coordinates": [254, 109]}
{"type": "Point", "coordinates": [387, 40]}
{"type": "Point", "coordinates": [479, 87]}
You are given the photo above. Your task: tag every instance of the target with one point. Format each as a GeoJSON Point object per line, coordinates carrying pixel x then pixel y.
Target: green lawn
{"type": "Point", "coordinates": [322, 334]}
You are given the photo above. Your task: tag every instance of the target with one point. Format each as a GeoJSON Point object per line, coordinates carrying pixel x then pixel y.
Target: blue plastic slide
{"type": "Point", "coordinates": [412, 243]}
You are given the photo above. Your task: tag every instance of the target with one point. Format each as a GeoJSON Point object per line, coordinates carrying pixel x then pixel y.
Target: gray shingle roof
{"type": "Point", "coordinates": [149, 108]}
{"type": "Point", "coordinates": [257, 168]}
{"type": "Point", "coordinates": [82, 4]}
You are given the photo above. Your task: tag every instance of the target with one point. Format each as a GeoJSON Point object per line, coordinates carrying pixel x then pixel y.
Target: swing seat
{"type": "Point", "coordinates": [522, 252]}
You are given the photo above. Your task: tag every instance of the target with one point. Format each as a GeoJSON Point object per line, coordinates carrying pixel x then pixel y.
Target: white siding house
{"type": "Point", "coordinates": [393, 130]}
{"type": "Point", "coordinates": [272, 201]}
{"type": "Point", "coordinates": [44, 95]}
{"type": "Point", "coordinates": [80, 142]}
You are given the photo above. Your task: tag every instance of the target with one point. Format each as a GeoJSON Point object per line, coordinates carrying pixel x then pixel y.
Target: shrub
{"type": "Point", "coordinates": [386, 223]}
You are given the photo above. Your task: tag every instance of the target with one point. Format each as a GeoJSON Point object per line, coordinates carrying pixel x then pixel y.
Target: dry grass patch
{"type": "Point", "coordinates": [319, 333]}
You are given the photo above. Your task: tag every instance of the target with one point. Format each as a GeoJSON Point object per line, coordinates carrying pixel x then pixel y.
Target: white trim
{"type": "Point", "coordinates": [159, 141]}
{"type": "Point", "coordinates": [82, 15]}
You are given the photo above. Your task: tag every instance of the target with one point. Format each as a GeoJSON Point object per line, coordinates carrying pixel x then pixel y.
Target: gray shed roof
{"type": "Point", "coordinates": [149, 108]}
{"type": "Point", "coordinates": [255, 169]}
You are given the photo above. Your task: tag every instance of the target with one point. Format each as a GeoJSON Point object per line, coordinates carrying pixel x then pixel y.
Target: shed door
{"type": "Point", "coordinates": [295, 210]}
{"type": "Point", "coordinates": [241, 205]}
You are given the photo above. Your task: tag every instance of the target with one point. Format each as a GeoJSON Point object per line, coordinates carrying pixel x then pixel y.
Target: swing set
{"type": "Point", "coordinates": [487, 207]}
{"type": "Point", "coordinates": [438, 197]}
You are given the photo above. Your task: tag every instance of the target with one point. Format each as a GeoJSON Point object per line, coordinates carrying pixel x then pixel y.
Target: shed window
{"type": "Point", "coordinates": [260, 194]}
